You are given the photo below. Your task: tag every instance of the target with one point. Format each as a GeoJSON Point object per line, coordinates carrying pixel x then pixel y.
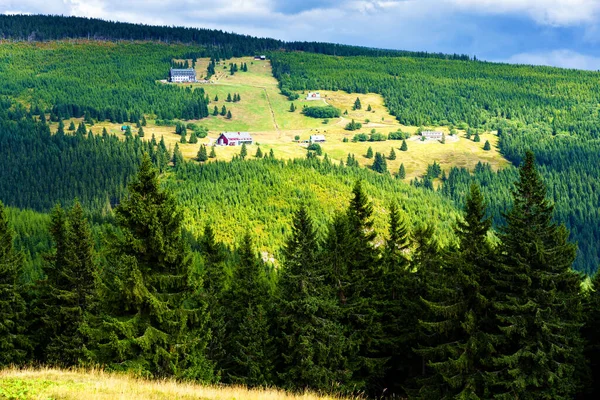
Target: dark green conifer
{"type": "Point", "coordinates": [401, 172]}
{"type": "Point", "coordinates": [404, 146]}
{"type": "Point", "coordinates": [487, 146]}
{"type": "Point", "coordinates": [202, 155]}
{"type": "Point", "coordinates": [193, 138]}
{"type": "Point", "coordinates": [14, 344]}
{"type": "Point", "coordinates": [243, 151]}
{"type": "Point", "coordinates": [223, 111]}
{"type": "Point", "coordinates": [312, 342]}
{"type": "Point", "coordinates": [212, 154]}
{"type": "Point", "coordinates": [155, 320]}
{"type": "Point", "coordinates": [392, 155]}
{"type": "Point", "coordinates": [259, 153]}
{"type": "Point", "coordinates": [177, 156]}
{"type": "Point", "coordinates": [141, 132]}
{"type": "Point", "coordinates": [369, 152]}
{"type": "Point", "coordinates": [229, 116]}
{"type": "Point", "coordinates": [215, 111]}
{"type": "Point", "coordinates": [539, 312]}
{"type": "Point", "coordinates": [292, 107]}
{"type": "Point", "coordinates": [72, 127]}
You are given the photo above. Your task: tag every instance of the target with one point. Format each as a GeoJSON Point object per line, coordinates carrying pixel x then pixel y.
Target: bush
{"type": "Point", "coordinates": [360, 137]}
{"type": "Point", "coordinates": [353, 126]}
{"type": "Point", "coordinates": [378, 137]}
{"type": "Point", "coordinates": [316, 147]}
{"type": "Point", "coordinates": [321, 112]}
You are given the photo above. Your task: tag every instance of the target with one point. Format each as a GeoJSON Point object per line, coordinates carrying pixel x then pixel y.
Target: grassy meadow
{"type": "Point", "coordinates": [54, 384]}
{"type": "Point", "coordinates": [265, 112]}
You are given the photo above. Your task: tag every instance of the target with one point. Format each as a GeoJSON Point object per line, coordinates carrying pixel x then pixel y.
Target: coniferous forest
{"type": "Point", "coordinates": [483, 288]}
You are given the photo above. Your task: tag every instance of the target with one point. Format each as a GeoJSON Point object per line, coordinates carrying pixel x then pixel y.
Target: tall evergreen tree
{"type": "Point", "coordinates": [243, 151]}
{"type": "Point", "coordinates": [401, 172]}
{"type": "Point", "coordinates": [540, 310]}
{"type": "Point", "coordinates": [154, 321]}
{"type": "Point", "coordinates": [404, 146]}
{"type": "Point", "coordinates": [14, 344]}
{"type": "Point", "coordinates": [202, 156]}
{"type": "Point", "coordinates": [69, 289]}
{"type": "Point", "coordinates": [312, 344]}
{"type": "Point", "coordinates": [461, 310]}
{"type": "Point", "coordinates": [392, 155]}
{"type": "Point", "coordinates": [212, 154]}
{"type": "Point", "coordinates": [369, 152]}
{"type": "Point", "coordinates": [249, 345]}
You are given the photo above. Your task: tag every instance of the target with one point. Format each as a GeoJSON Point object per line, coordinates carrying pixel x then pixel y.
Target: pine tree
{"type": "Point", "coordinates": [212, 154]}
{"type": "Point", "coordinates": [215, 279]}
{"type": "Point", "coordinates": [202, 156]}
{"type": "Point", "coordinates": [223, 111]}
{"type": "Point", "coordinates": [460, 308]}
{"type": "Point", "coordinates": [312, 342]}
{"type": "Point", "coordinates": [477, 138]}
{"type": "Point", "coordinates": [404, 146]}
{"type": "Point", "coordinates": [228, 114]}
{"type": "Point", "coordinates": [357, 105]}
{"type": "Point", "coordinates": [177, 159]}
{"type": "Point", "coordinates": [365, 278]}
{"type": "Point", "coordinates": [271, 154]}
{"type": "Point", "coordinates": [193, 138]}
{"type": "Point", "coordinates": [144, 122]}
{"type": "Point", "coordinates": [392, 155]}
{"type": "Point", "coordinates": [72, 126]}
{"type": "Point", "coordinates": [215, 111]}
{"type": "Point", "coordinates": [183, 139]}
{"type": "Point", "coordinates": [540, 311]}
{"type": "Point", "coordinates": [216, 98]}
{"type": "Point", "coordinates": [379, 163]}
{"type": "Point", "coordinates": [14, 344]}
{"type": "Point", "coordinates": [69, 290]}
{"type": "Point", "coordinates": [155, 321]}
{"type": "Point", "coordinates": [369, 108]}
{"type": "Point", "coordinates": [292, 107]}
{"type": "Point", "coordinates": [250, 346]}
{"type": "Point", "coordinates": [141, 132]}
{"type": "Point", "coordinates": [487, 146]}
{"type": "Point", "coordinates": [259, 153]}
{"type": "Point", "coordinates": [228, 98]}
{"type": "Point", "coordinates": [401, 172]}
{"type": "Point", "coordinates": [243, 151]}
{"type": "Point", "coordinates": [369, 153]}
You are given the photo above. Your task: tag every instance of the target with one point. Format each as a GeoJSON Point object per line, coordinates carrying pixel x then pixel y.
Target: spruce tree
{"type": "Point", "coordinates": [72, 127]}
{"type": "Point", "coordinates": [193, 138]}
{"type": "Point", "coordinates": [292, 107]}
{"type": "Point", "coordinates": [392, 155]}
{"type": "Point", "coordinates": [69, 289]}
{"type": "Point", "coordinates": [215, 111]}
{"type": "Point", "coordinates": [379, 164]}
{"type": "Point", "coordinates": [202, 156]}
{"type": "Point", "coordinates": [177, 159]}
{"type": "Point", "coordinates": [249, 345]}
{"type": "Point", "coordinates": [539, 312]}
{"type": "Point", "coordinates": [312, 342]}
{"type": "Point", "coordinates": [461, 318]}
{"type": "Point", "coordinates": [259, 153]}
{"type": "Point", "coordinates": [141, 132]}
{"type": "Point", "coordinates": [369, 152]}
{"type": "Point", "coordinates": [154, 321]}
{"type": "Point", "coordinates": [212, 154]}
{"type": "Point", "coordinates": [228, 98]}
{"type": "Point", "coordinates": [487, 146]}
{"type": "Point", "coordinates": [243, 151]}
{"type": "Point", "coordinates": [229, 116]}
{"type": "Point", "coordinates": [357, 105]}
{"type": "Point", "coordinates": [401, 172]}
{"type": "Point", "coordinates": [404, 146]}
{"type": "Point", "coordinates": [14, 344]}
{"type": "Point", "coordinates": [477, 138]}
{"type": "Point", "coordinates": [223, 111]}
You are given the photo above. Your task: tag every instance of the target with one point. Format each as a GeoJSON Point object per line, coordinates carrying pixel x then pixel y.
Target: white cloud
{"type": "Point", "coordinates": [547, 12]}
{"type": "Point", "coordinates": [558, 58]}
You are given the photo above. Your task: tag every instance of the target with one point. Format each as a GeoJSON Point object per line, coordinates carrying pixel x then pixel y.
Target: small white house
{"type": "Point", "coordinates": [313, 96]}
{"type": "Point", "coordinates": [317, 139]}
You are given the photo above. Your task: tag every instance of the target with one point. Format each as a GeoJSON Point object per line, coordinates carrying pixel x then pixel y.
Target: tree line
{"type": "Point", "coordinates": [343, 313]}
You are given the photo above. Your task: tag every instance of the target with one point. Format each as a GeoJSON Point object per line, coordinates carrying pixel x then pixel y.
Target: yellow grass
{"type": "Point", "coordinates": [264, 112]}
{"type": "Point", "coordinates": [57, 384]}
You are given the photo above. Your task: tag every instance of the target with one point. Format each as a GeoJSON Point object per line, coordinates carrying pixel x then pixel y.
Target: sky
{"type": "Point", "coordinates": [562, 33]}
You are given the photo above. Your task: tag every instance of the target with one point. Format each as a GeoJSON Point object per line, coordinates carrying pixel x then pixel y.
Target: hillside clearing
{"type": "Point", "coordinates": [98, 385]}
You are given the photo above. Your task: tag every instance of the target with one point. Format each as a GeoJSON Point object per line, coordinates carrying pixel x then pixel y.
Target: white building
{"type": "Point", "coordinates": [182, 75]}
{"type": "Point", "coordinates": [317, 139]}
{"type": "Point", "coordinates": [436, 135]}
{"type": "Point", "coordinates": [313, 96]}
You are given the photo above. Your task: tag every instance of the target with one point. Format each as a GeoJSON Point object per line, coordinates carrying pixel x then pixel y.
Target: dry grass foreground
{"type": "Point", "coordinates": [55, 384]}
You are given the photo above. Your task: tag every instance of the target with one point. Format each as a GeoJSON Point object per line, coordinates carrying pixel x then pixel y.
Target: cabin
{"type": "Point", "coordinates": [313, 96]}
{"type": "Point", "coordinates": [260, 58]}
{"type": "Point", "coordinates": [317, 139]}
{"type": "Point", "coordinates": [434, 135]}
{"type": "Point", "coordinates": [182, 75]}
{"type": "Point", "coordinates": [125, 127]}
{"type": "Point", "coordinates": [234, 139]}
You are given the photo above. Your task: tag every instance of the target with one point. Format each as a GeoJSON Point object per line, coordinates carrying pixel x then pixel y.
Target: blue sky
{"type": "Point", "coordinates": [564, 33]}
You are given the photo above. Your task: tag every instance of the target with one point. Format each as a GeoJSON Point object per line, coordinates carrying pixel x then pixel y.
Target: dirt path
{"type": "Point", "coordinates": [271, 109]}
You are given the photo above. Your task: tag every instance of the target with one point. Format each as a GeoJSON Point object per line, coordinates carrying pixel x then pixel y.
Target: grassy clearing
{"type": "Point", "coordinates": [97, 385]}
{"type": "Point", "coordinates": [265, 112]}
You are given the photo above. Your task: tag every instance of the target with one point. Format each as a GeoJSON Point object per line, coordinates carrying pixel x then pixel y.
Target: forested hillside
{"type": "Point", "coordinates": [222, 44]}
{"type": "Point", "coordinates": [553, 112]}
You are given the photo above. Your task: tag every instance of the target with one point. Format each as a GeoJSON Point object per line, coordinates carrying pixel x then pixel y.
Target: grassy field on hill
{"type": "Point", "coordinates": [265, 112]}
{"type": "Point", "coordinates": [54, 384]}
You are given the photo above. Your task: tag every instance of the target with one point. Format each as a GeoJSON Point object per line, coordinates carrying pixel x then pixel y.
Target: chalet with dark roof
{"type": "Point", "coordinates": [182, 75]}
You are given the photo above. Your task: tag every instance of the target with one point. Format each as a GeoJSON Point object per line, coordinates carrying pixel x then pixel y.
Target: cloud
{"type": "Point", "coordinates": [547, 12]}
{"type": "Point", "coordinates": [562, 58]}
